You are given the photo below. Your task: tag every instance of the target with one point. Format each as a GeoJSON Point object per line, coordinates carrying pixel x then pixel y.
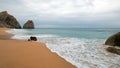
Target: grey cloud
{"type": "Point", "coordinates": [63, 10]}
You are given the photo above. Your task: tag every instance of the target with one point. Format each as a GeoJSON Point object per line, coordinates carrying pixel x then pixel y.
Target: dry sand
{"type": "Point", "coordinates": [27, 54]}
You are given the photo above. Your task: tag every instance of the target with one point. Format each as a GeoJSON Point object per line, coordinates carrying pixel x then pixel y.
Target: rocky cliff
{"type": "Point", "coordinates": [9, 21]}
{"type": "Point", "coordinates": [29, 25]}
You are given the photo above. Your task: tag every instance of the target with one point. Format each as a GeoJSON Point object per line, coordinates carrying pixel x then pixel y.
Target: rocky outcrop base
{"type": "Point", "coordinates": [113, 41]}
{"type": "Point", "coordinates": [113, 50]}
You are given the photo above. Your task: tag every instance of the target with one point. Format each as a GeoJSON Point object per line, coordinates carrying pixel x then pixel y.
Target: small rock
{"type": "Point", "coordinates": [33, 38]}
{"type": "Point", "coordinates": [29, 40]}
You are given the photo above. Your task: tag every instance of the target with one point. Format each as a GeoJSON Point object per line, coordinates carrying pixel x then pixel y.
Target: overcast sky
{"type": "Point", "coordinates": [65, 13]}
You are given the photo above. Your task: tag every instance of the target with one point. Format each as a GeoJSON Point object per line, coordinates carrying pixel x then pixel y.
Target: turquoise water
{"type": "Point", "coordinates": [82, 47]}
{"type": "Point", "coordinates": [73, 32]}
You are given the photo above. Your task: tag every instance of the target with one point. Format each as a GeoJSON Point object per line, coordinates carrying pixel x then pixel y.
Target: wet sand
{"type": "Point", "coordinates": [27, 54]}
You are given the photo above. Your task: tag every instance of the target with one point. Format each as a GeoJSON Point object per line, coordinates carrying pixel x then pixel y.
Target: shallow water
{"type": "Point", "coordinates": [82, 47]}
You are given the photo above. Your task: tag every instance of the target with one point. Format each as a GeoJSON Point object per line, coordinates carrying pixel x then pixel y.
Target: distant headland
{"type": "Point", "coordinates": [9, 21]}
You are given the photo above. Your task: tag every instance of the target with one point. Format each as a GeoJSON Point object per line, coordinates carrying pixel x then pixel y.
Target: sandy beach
{"type": "Point", "coordinates": [26, 54]}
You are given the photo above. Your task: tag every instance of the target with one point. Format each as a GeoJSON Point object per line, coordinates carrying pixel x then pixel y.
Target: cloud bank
{"type": "Point", "coordinates": [55, 13]}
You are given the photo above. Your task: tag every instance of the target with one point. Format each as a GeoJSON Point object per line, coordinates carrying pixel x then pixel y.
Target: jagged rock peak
{"type": "Point", "coordinates": [4, 12]}
{"type": "Point", "coordinates": [8, 21]}
{"type": "Point", "coordinates": [29, 25]}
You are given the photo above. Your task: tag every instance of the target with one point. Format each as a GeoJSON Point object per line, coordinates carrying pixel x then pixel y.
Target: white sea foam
{"type": "Point", "coordinates": [83, 53]}
{"type": "Point", "coordinates": [18, 31]}
{"type": "Point", "coordinates": [22, 34]}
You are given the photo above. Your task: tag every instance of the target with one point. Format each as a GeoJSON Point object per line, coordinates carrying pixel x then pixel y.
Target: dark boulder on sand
{"type": "Point", "coordinates": [33, 38]}
{"type": "Point", "coordinates": [29, 25]}
{"type": "Point", "coordinates": [114, 40]}
{"type": "Point", "coordinates": [8, 21]}
{"type": "Point", "coordinates": [113, 50]}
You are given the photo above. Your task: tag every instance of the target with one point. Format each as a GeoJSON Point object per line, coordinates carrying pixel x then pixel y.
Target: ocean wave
{"type": "Point", "coordinates": [82, 52]}
{"type": "Point", "coordinates": [25, 36]}
{"type": "Point", "coordinates": [17, 31]}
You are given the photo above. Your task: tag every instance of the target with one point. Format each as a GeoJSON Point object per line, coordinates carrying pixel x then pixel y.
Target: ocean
{"type": "Point", "coordinates": [83, 47]}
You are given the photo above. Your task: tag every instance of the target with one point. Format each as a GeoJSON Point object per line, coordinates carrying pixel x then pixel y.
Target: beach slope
{"type": "Point", "coordinates": [26, 54]}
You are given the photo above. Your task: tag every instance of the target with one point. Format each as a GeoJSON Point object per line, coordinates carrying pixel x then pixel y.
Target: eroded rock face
{"type": "Point", "coordinates": [9, 21]}
{"type": "Point", "coordinates": [1, 24]}
{"type": "Point", "coordinates": [114, 40]}
{"type": "Point", "coordinates": [29, 25]}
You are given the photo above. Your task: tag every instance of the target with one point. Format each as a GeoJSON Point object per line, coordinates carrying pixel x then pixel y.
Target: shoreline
{"type": "Point", "coordinates": [26, 54]}
{"type": "Point", "coordinates": [5, 35]}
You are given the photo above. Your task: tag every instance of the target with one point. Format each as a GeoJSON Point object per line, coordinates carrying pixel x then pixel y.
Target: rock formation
{"type": "Point", "coordinates": [29, 25]}
{"type": "Point", "coordinates": [9, 21]}
{"type": "Point", "coordinates": [114, 40]}
{"type": "Point", "coordinates": [113, 50]}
